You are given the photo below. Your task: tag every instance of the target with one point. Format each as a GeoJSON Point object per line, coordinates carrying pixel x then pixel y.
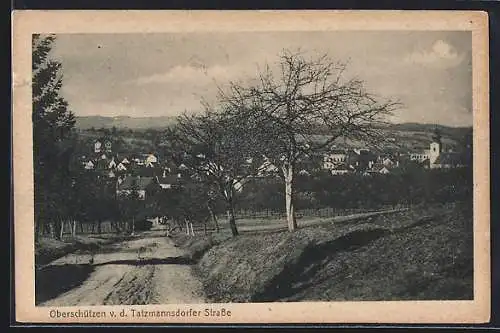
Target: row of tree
{"type": "Point", "coordinates": [418, 186]}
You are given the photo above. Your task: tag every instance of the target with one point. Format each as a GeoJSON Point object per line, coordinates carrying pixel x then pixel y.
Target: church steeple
{"type": "Point", "coordinates": [436, 136]}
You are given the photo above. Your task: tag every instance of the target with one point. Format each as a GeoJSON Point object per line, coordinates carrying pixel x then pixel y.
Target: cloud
{"type": "Point", "coordinates": [441, 53]}
{"type": "Point", "coordinates": [197, 74]}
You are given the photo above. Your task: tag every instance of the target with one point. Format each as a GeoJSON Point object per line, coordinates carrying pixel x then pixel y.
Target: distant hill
{"type": "Point", "coordinates": [405, 136]}
{"type": "Point", "coordinates": [88, 122]}
{"type": "Point", "coordinates": [122, 122]}
{"type": "Point", "coordinates": [418, 127]}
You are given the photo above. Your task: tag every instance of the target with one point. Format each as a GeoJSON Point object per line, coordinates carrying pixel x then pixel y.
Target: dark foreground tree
{"type": "Point", "coordinates": [52, 126]}
{"type": "Point", "coordinates": [286, 106]}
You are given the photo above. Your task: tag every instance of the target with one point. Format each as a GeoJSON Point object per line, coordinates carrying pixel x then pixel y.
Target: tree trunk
{"type": "Point", "coordinates": [117, 226]}
{"type": "Point", "coordinates": [232, 220]}
{"type": "Point", "coordinates": [74, 228]}
{"type": "Point", "coordinates": [214, 218]}
{"type": "Point", "coordinates": [99, 227]}
{"type": "Point", "coordinates": [290, 211]}
{"type": "Point", "coordinates": [228, 195]}
{"type": "Point", "coordinates": [52, 229]}
{"type": "Point", "coordinates": [133, 225]}
{"type": "Point", "coordinates": [61, 230]}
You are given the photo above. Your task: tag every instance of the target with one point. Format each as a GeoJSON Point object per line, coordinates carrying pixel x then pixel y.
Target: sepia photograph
{"type": "Point", "coordinates": [221, 167]}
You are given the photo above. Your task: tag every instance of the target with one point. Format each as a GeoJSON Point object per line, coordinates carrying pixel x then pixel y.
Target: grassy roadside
{"type": "Point", "coordinates": [197, 246]}
{"type": "Point", "coordinates": [425, 253]}
{"type": "Point", "coordinates": [49, 249]}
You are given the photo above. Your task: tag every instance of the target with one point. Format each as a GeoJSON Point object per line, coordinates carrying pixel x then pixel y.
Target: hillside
{"type": "Point", "coordinates": [122, 122]}
{"type": "Point", "coordinates": [423, 254]}
{"type": "Point", "coordinates": [403, 137]}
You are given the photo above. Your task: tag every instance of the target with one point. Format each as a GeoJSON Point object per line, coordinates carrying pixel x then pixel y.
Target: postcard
{"type": "Point", "coordinates": [251, 167]}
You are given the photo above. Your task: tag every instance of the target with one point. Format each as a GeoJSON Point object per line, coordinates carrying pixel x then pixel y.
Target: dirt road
{"type": "Point", "coordinates": [118, 276]}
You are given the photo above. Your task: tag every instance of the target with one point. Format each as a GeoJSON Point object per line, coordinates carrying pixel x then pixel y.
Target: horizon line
{"type": "Point", "coordinates": [167, 116]}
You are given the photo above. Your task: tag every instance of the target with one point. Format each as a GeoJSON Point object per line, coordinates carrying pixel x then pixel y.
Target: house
{"type": "Point", "coordinates": [112, 164]}
{"type": "Point", "coordinates": [389, 162]}
{"type": "Point", "coordinates": [239, 185]}
{"type": "Point", "coordinates": [377, 168]}
{"type": "Point", "coordinates": [266, 168]}
{"type": "Point", "coordinates": [97, 146]}
{"type": "Point", "coordinates": [310, 163]}
{"type": "Point", "coordinates": [361, 159]}
{"type": "Point", "coordinates": [107, 146]}
{"type": "Point", "coordinates": [121, 167]}
{"type": "Point", "coordinates": [169, 181]}
{"type": "Point", "coordinates": [183, 167]}
{"type": "Point", "coordinates": [419, 156]}
{"type": "Point", "coordinates": [304, 172]}
{"type": "Point", "coordinates": [138, 161]}
{"type": "Point", "coordinates": [448, 160]}
{"type": "Point", "coordinates": [150, 160]}
{"type": "Point", "coordinates": [360, 151]}
{"type": "Point", "coordinates": [144, 186]}
{"type": "Point", "coordinates": [341, 169]}
{"type": "Point", "coordinates": [89, 165]}
{"type": "Point", "coordinates": [166, 170]}
{"type": "Point", "coordinates": [334, 158]}
{"type": "Point", "coordinates": [102, 164]}
{"type": "Point", "coordinates": [383, 170]}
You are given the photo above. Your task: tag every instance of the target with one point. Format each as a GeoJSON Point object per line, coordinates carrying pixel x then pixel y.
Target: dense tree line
{"type": "Point", "coordinates": [418, 186]}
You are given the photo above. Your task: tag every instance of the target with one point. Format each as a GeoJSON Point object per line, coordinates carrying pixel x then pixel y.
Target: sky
{"type": "Point", "coordinates": [165, 74]}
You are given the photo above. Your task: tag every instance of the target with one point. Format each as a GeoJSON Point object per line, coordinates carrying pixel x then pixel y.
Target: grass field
{"type": "Point", "coordinates": [420, 254]}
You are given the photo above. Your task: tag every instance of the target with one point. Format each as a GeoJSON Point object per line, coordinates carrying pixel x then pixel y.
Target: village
{"type": "Point", "coordinates": [146, 171]}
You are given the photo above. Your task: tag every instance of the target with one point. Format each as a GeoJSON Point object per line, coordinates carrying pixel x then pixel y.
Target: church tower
{"type": "Point", "coordinates": [435, 147]}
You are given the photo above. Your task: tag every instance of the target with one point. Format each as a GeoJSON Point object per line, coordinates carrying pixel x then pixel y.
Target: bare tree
{"type": "Point", "coordinates": [215, 149]}
{"type": "Point", "coordinates": [287, 107]}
